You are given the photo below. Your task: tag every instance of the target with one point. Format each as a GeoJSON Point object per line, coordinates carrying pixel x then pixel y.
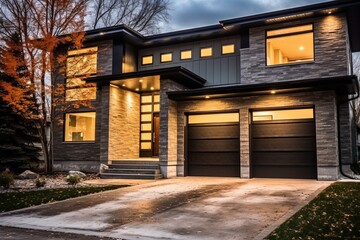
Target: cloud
{"type": "Point", "coordinates": [196, 13]}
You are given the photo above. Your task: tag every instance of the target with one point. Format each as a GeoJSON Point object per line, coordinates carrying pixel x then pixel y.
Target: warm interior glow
{"type": "Point", "coordinates": [145, 145]}
{"type": "Point", "coordinates": [306, 113]}
{"type": "Point", "coordinates": [146, 108]}
{"type": "Point", "coordinates": [286, 46]}
{"type": "Point", "coordinates": [146, 60]}
{"type": "Point", "coordinates": [185, 54]}
{"type": "Point", "coordinates": [206, 52]}
{"type": "Point", "coordinates": [146, 127]}
{"type": "Point", "coordinates": [166, 57]}
{"type": "Point", "coordinates": [80, 127]}
{"type": "Point", "coordinates": [228, 49]}
{"type": "Point", "coordinates": [146, 99]}
{"type": "Point", "coordinates": [213, 118]}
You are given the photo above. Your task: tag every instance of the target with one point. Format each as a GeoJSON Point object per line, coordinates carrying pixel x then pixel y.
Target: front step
{"type": "Point", "coordinates": [127, 169]}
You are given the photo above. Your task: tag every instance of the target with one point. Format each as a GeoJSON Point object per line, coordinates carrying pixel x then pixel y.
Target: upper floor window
{"type": "Point", "coordinates": [227, 49]}
{"type": "Point", "coordinates": [80, 127]}
{"type": "Point", "coordinates": [80, 63]}
{"type": "Point", "coordinates": [206, 52]}
{"type": "Point", "coordinates": [147, 60]}
{"type": "Point", "coordinates": [290, 45]}
{"type": "Point", "coordinates": [185, 54]}
{"type": "Point", "coordinates": [166, 57]}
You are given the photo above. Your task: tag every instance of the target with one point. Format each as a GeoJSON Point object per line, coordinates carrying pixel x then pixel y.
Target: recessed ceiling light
{"type": "Point", "coordinates": [152, 88]}
{"type": "Point", "coordinates": [273, 92]}
{"type": "Point", "coordinates": [329, 12]}
{"type": "Point", "coordinates": [101, 33]}
{"type": "Point", "coordinates": [123, 85]}
{"type": "Point", "coordinates": [301, 48]}
{"type": "Point", "coordinates": [140, 81]}
{"type": "Point", "coordinates": [207, 96]}
{"type": "Point", "coordinates": [137, 89]}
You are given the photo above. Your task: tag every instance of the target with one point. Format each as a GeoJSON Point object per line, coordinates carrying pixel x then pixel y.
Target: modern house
{"type": "Point", "coordinates": [257, 96]}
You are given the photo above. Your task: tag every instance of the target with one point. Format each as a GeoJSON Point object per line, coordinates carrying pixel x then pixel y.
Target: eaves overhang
{"type": "Point", "coordinates": [177, 74]}
{"type": "Point", "coordinates": [342, 85]}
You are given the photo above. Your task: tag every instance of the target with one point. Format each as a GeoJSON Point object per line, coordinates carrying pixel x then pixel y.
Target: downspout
{"type": "Point", "coordinates": [338, 128]}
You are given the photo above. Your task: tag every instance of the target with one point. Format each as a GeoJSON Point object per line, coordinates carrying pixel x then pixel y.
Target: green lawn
{"type": "Point", "coordinates": [16, 200]}
{"type": "Point", "coordinates": [333, 214]}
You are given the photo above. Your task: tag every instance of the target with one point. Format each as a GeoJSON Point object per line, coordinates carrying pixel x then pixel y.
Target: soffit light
{"type": "Point", "coordinates": [207, 96]}
{"type": "Point", "coordinates": [272, 91]}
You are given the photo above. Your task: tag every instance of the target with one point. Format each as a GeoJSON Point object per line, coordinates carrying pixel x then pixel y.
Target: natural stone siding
{"type": "Point", "coordinates": [325, 119]}
{"type": "Point", "coordinates": [124, 124]}
{"type": "Point", "coordinates": [105, 56]}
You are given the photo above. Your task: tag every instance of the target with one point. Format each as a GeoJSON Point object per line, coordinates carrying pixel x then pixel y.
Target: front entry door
{"type": "Point", "coordinates": [156, 133]}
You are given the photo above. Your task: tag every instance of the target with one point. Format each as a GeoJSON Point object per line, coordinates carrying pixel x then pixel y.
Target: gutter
{"type": "Point", "coordinates": [338, 128]}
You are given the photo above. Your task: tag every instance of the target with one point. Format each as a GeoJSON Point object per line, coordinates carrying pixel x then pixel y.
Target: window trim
{"type": "Point", "coordinates": [186, 50]}
{"type": "Point", "coordinates": [146, 64]}
{"type": "Point", "coordinates": [81, 142]}
{"type": "Point", "coordinates": [227, 44]}
{"type": "Point", "coordinates": [290, 34]}
{"type": "Point", "coordinates": [212, 52]}
{"type": "Point", "coordinates": [164, 53]}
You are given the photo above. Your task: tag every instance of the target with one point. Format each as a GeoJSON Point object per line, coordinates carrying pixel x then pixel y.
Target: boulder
{"type": "Point", "coordinates": [27, 174]}
{"type": "Point", "coordinates": [77, 173]}
{"type": "Point", "coordinates": [103, 167]}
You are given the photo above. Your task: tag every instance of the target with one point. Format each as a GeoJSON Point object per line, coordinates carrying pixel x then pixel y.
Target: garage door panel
{"type": "Point", "coordinates": [284, 158]}
{"type": "Point", "coordinates": [284, 144]}
{"type": "Point", "coordinates": [307, 172]}
{"type": "Point", "coordinates": [211, 132]}
{"type": "Point", "coordinates": [226, 158]}
{"type": "Point", "coordinates": [215, 145]}
{"type": "Point", "coordinates": [298, 129]}
{"type": "Point", "coordinates": [215, 171]}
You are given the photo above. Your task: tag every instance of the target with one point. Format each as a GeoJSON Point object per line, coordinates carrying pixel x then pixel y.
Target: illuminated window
{"type": "Point", "coordinates": [206, 52]}
{"type": "Point", "coordinates": [80, 63]}
{"type": "Point", "coordinates": [228, 49]}
{"type": "Point", "coordinates": [290, 114]}
{"type": "Point", "coordinates": [290, 45]}
{"type": "Point", "coordinates": [166, 57]}
{"type": "Point", "coordinates": [147, 60]}
{"type": "Point", "coordinates": [185, 54]}
{"type": "Point", "coordinates": [214, 118]}
{"type": "Point", "coordinates": [80, 127]}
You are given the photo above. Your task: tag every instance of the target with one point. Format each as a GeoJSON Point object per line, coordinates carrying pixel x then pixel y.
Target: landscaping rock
{"type": "Point", "coordinates": [103, 167]}
{"type": "Point", "coordinates": [77, 173]}
{"type": "Point", "coordinates": [28, 175]}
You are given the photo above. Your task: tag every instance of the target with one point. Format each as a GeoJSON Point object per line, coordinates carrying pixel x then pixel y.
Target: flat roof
{"type": "Point", "coordinates": [342, 85]}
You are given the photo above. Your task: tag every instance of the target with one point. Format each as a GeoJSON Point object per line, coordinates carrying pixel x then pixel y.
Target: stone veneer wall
{"type": "Point", "coordinates": [168, 142]}
{"type": "Point", "coordinates": [331, 53]}
{"type": "Point", "coordinates": [124, 124]}
{"type": "Point", "coordinates": [325, 118]}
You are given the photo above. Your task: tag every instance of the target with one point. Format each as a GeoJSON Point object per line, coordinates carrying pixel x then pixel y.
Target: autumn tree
{"type": "Point", "coordinates": [42, 26]}
{"type": "Point", "coordinates": [144, 16]}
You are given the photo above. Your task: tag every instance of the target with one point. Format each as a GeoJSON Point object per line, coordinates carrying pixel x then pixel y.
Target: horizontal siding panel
{"type": "Point", "coordinates": [213, 132]}
{"type": "Point", "coordinates": [284, 144]}
{"type": "Point", "coordinates": [223, 145]}
{"type": "Point", "coordinates": [304, 129]}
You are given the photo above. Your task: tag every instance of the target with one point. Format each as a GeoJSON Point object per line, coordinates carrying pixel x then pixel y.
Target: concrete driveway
{"type": "Point", "coordinates": [181, 208]}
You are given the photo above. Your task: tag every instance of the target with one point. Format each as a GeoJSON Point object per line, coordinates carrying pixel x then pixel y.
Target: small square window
{"type": "Point", "coordinates": [206, 52]}
{"type": "Point", "coordinates": [228, 49]}
{"type": "Point", "coordinates": [166, 57]}
{"type": "Point", "coordinates": [185, 54]}
{"type": "Point", "coordinates": [147, 60]}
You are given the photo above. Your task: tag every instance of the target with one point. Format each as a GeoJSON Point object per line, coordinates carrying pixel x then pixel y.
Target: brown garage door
{"type": "Point", "coordinates": [213, 147]}
{"type": "Point", "coordinates": [283, 144]}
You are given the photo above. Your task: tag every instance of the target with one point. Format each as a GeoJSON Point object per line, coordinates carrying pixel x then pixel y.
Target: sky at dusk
{"type": "Point", "coordinates": [197, 13]}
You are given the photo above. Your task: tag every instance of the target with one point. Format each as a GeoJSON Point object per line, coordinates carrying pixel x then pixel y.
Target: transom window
{"type": "Point", "coordinates": [79, 64]}
{"type": "Point", "coordinates": [147, 60]}
{"type": "Point", "coordinates": [166, 57]}
{"type": "Point", "coordinates": [227, 49]}
{"type": "Point", "coordinates": [80, 127]}
{"type": "Point", "coordinates": [185, 54]}
{"type": "Point", "coordinates": [286, 114]}
{"type": "Point", "coordinates": [206, 52]}
{"type": "Point", "coordinates": [290, 45]}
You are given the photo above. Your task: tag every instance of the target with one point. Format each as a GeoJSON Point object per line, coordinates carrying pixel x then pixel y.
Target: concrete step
{"type": "Point", "coordinates": [133, 171]}
{"type": "Point", "coordinates": [129, 176]}
{"type": "Point", "coordinates": [133, 166]}
{"type": "Point", "coordinates": [139, 162]}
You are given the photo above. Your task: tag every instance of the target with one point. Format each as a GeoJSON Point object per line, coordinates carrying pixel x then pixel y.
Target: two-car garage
{"type": "Point", "coordinates": [282, 144]}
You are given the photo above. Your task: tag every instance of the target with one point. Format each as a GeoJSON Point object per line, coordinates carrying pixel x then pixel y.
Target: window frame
{"type": "Point", "coordinates": [212, 52]}
{"type": "Point", "coordinates": [186, 50]}
{"type": "Point", "coordinates": [147, 64]}
{"type": "Point", "coordinates": [165, 53]}
{"type": "Point", "coordinates": [289, 34]}
{"type": "Point", "coordinates": [227, 44]}
{"type": "Point", "coordinates": [64, 128]}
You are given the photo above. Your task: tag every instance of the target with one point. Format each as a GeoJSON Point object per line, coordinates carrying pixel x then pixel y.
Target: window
{"type": "Point", "coordinates": [79, 127]}
{"type": "Point", "coordinates": [227, 49]}
{"type": "Point", "coordinates": [289, 114]}
{"type": "Point", "coordinates": [147, 60]}
{"type": "Point", "coordinates": [206, 52]}
{"type": "Point", "coordinates": [80, 63]}
{"type": "Point", "coordinates": [185, 54]}
{"type": "Point", "coordinates": [213, 118]}
{"type": "Point", "coordinates": [290, 45]}
{"type": "Point", "coordinates": [166, 57]}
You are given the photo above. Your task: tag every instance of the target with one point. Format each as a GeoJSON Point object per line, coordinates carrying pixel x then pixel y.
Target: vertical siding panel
{"type": "Point", "coordinates": [217, 71]}
{"type": "Point", "coordinates": [224, 69]}
{"type": "Point", "coordinates": [232, 69]}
